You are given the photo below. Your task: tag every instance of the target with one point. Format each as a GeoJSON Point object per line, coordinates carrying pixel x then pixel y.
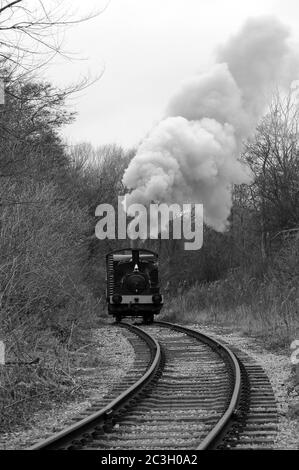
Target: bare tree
{"type": "Point", "coordinates": [273, 157]}
{"type": "Point", "coordinates": [32, 32]}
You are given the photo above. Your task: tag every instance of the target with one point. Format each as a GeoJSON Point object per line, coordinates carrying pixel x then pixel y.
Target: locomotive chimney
{"type": "Point", "coordinates": [135, 257]}
{"type": "Point", "coordinates": [135, 244]}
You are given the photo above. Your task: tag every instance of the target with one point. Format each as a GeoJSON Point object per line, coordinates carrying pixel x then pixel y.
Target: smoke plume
{"type": "Point", "coordinates": [192, 154]}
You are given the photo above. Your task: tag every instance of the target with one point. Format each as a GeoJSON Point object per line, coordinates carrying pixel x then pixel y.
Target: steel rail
{"type": "Point", "coordinates": [75, 430]}
{"type": "Point", "coordinates": [220, 348]}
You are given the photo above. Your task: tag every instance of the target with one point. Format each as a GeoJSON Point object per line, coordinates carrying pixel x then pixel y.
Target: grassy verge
{"type": "Point", "coordinates": [264, 305]}
{"type": "Point", "coordinates": [42, 357]}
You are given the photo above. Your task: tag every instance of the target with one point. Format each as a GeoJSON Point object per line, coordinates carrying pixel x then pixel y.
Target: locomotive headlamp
{"type": "Point", "coordinates": [116, 299]}
{"type": "Point", "coordinates": [157, 298]}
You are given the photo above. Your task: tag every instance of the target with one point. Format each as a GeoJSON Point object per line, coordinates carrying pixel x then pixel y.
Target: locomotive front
{"type": "Point", "coordinates": [133, 284]}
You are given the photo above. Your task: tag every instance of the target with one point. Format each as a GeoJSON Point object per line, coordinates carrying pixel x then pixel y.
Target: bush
{"type": "Point", "coordinates": [265, 305]}
{"type": "Point", "coordinates": [45, 306]}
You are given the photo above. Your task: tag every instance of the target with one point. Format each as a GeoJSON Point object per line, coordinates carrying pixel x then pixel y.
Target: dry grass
{"type": "Point", "coordinates": [54, 345]}
{"type": "Point", "coordinates": [266, 305]}
{"type": "Point", "coordinates": [45, 308]}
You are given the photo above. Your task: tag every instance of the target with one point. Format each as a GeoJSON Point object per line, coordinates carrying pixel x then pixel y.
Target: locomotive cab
{"type": "Point", "coordinates": [133, 284]}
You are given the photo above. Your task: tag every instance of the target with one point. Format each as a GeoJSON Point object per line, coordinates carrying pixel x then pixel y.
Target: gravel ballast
{"type": "Point", "coordinates": [112, 356]}
{"type": "Point", "coordinates": [278, 367]}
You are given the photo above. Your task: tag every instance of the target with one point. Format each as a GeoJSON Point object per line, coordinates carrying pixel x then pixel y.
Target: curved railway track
{"type": "Point", "coordinates": [185, 391]}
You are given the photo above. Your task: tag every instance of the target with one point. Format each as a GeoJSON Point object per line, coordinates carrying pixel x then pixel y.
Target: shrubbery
{"type": "Point", "coordinates": [45, 230]}
{"type": "Point", "coordinates": [266, 305]}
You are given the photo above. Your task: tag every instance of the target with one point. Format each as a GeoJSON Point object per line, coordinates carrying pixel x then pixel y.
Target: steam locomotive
{"type": "Point", "coordinates": [133, 284]}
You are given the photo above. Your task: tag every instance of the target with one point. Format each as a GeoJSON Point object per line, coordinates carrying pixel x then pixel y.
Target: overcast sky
{"type": "Point", "coordinates": [146, 48]}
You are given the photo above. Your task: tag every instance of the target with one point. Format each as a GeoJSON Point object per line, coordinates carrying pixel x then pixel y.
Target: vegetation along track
{"type": "Point", "coordinates": [185, 391]}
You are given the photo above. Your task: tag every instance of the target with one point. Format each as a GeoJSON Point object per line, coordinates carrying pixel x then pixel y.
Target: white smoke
{"type": "Point", "coordinates": [192, 155]}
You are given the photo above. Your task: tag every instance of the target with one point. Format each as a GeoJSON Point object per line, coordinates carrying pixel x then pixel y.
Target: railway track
{"type": "Point", "coordinates": [185, 391]}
